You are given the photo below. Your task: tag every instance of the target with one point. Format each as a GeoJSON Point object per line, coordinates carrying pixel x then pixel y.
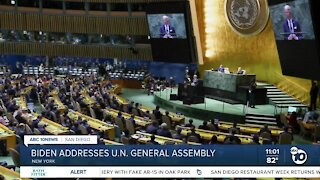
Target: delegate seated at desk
{"type": "Point", "coordinates": [226, 70]}
{"type": "Point", "coordinates": [240, 71]}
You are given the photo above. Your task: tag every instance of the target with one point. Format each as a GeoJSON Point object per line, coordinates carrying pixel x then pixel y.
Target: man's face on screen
{"type": "Point", "coordinates": [287, 12]}
{"type": "Point", "coordinates": [166, 20]}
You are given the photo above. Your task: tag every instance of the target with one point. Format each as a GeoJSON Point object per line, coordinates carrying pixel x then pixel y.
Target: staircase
{"type": "Point", "coordinates": [281, 99]}
{"type": "Point", "coordinates": [261, 119]}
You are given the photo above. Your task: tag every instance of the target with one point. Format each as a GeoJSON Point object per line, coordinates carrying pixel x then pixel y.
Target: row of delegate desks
{"type": "Point", "coordinates": [207, 135]}
{"type": "Point", "coordinates": [8, 135]}
{"type": "Point", "coordinates": [94, 123]}
{"type": "Point", "coordinates": [144, 138]}
{"type": "Point", "coordinates": [90, 102]}
{"type": "Point", "coordinates": [55, 96]}
{"type": "Point", "coordinates": [140, 121]}
{"type": "Point", "coordinates": [8, 174]}
{"type": "Point", "coordinates": [310, 125]}
{"type": "Point", "coordinates": [109, 142]}
{"type": "Point", "coordinates": [178, 119]}
{"type": "Point", "coordinates": [249, 129]}
{"type": "Point", "coordinates": [116, 89]}
{"type": "Point", "coordinates": [52, 127]}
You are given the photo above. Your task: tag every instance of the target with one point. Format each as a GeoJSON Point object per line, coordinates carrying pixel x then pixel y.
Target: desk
{"type": "Point", "coordinates": [207, 135]}
{"type": "Point", "coordinates": [225, 126]}
{"type": "Point", "coordinates": [144, 138]}
{"type": "Point", "coordinates": [21, 102]}
{"type": "Point", "coordinates": [87, 99]}
{"type": "Point", "coordinates": [178, 119]}
{"type": "Point", "coordinates": [140, 121]}
{"type": "Point", "coordinates": [94, 123]}
{"type": "Point", "coordinates": [8, 135]}
{"type": "Point", "coordinates": [189, 94]}
{"type": "Point", "coordinates": [116, 89]}
{"type": "Point", "coordinates": [9, 174]}
{"type": "Point", "coordinates": [55, 96]}
{"type": "Point", "coordinates": [108, 142]}
{"type": "Point", "coordinates": [226, 82]}
{"type": "Point", "coordinates": [60, 106]}
{"type": "Point", "coordinates": [309, 125]}
{"type": "Point", "coordinates": [52, 128]}
{"type": "Point", "coordinates": [120, 99]}
{"type": "Point", "coordinates": [231, 88]}
{"type": "Point", "coordinates": [26, 90]}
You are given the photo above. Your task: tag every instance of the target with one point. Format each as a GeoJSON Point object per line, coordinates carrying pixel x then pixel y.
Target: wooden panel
{"type": "Point", "coordinates": [93, 51]}
{"type": "Point", "coordinates": [74, 24]}
{"type": "Point", "coordinates": [6, 8]}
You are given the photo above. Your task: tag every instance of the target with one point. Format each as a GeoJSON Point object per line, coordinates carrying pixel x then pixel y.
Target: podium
{"type": "Point", "coordinates": [191, 94]}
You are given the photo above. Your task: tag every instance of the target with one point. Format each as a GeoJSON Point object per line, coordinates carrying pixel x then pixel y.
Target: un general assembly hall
{"type": "Point", "coordinates": [232, 75]}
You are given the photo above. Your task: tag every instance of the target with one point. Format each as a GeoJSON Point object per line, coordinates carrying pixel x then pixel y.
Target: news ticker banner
{"type": "Point", "coordinates": [80, 156]}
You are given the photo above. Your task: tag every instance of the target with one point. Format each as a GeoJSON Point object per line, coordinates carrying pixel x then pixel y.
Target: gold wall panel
{"type": "Point", "coordinates": [74, 24]}
{"type": "Point", "coordinates": [48, 49]}
{"type": "Point", "coordinates": [257, 54]}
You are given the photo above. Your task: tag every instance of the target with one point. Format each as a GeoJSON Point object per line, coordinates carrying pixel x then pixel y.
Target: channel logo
{"type": "Point", "coordinates": [199, 172]}
{"type": "Point", "coordinates": [298, 156]}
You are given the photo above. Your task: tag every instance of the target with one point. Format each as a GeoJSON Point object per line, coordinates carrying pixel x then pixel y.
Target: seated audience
{"type": "Point", "coordinates": [286, 131]}
{"type": "Point", "coordinates": [132, 120]}
{"type": "Point", "coordinates": [255, 140]}
{"type": "Point", "coordinates": [232, 139]}
{"type": "Point", "coordinates": [178, 134]}
{"type": "Point", "coordinates": [234, 129]}
{"type": "Point", "coordinates": [153, 140]}
{"type": "Point", "coordinates": [194, 134]}
{"type": "Point", "coordinates": [308, 116]}
{"type": "Point", "coordinates": [204, 126]}
{"type": "Point", "coordinates": [265, 129]}
{"type": "Point", "coordinates": [214, 140]}
{"type": "Point", "coordinates": [152, 128]}
{"type": "Point", "coordinates": [3, 120]}
{"type": "Point", "coordinates": [167, 114]}
{"type": "Point", "coordinates": [164, 131]}
{"type": "Point", "coordinates": [137, 107]}
{"type": "Point", "coordinates": [130, 107]}
{"type": "Point", "coordinates": [121, 118]}
{"type": "Point", "coordinates": [147, 115]}
{"type": "Point", "coordinates": [213, 126]}
{"type": "Point", "coordinates": [190, 124]}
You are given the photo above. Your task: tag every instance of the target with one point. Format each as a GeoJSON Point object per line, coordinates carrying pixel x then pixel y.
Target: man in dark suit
{"type": "Point", "coordinates": [158, 114]}
{"type": "Point", "coordinates": [167, 30]}
{"type": "Point", "coordinates": [265, 129]}
{"type": "Point", "coordinates": [152, 128]}
{"type": "Point", "coordinates": [153, 141]}
{"type": "Point", "coordinates": [291, 27]}
{"type": "Point", "coordinates": [193, 133]}
{"type": "Point", "coordinates": [314, 96]}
